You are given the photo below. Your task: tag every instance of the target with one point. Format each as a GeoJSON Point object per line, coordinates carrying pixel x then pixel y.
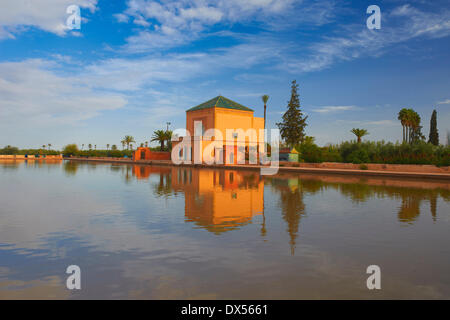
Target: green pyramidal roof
{"type": "Point", "coordinates": [220, 102]}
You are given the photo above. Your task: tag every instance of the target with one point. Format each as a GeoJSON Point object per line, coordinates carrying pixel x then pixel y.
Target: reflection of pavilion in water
{"type": "Point", "coordinates": [217, 200]}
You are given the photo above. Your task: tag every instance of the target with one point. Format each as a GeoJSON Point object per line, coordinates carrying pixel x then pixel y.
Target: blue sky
{"type": "Point", "coordinates": [136, 64]}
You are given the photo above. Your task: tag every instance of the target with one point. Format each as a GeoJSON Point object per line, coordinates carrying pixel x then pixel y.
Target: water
{"type": "Point", "coordinates": [141, 232]}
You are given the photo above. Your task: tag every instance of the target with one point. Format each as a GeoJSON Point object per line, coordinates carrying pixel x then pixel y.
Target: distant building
{"type": "Point", "coordinates": [287, 154]}
{"type": "Point", "coordinates": [226, 116]}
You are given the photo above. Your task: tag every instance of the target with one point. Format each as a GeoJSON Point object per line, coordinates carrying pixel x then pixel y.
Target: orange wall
{"type": "Point", "coordinates": [150, 155]}
{"type": "Point", "coordinates": [223, 119]}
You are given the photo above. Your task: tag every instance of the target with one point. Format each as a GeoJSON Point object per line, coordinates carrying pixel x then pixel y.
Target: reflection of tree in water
{"type": "Point", "coordinates": [291, 204]}
{"type": "Point", "coordinates": [357, 192]}
{"type": "Point", "coordinates": [433, 205]}
{"type": "Point", "coordinates": [71, 168]}
{"type": "Point", "coordinates": [164, 187]}
{"type": "Point", "coordinates": [9, 165]}
{"type": "Point", "coordinates": [128, 175]}
{"type": "Point", "coordinates": [411, 198]}
{"type": "Point", "coordinates": [116, 168]}
{"type": "Point", "coordinates": [410, 208]}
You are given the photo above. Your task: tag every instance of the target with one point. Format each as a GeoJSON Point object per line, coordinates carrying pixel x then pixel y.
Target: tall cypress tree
{"type": "Point", "coordinates": [434, 135]}
{"type": "Point", "coordinates": [292, 127]}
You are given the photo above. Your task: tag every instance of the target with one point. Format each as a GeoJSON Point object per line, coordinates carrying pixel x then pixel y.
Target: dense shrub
{"type": "Point", "coordinates": [377, 152]}
{"type": "Point", "coordinates": [310, 153]}
{"type": "Point", "coordinates": [382, 152]}
{"type": "Point", "coordinates": [9, 150]}
{"type": "Point", "coordinates": [106, 153]}
{"type": "Point", "coordinates": [14, 150]}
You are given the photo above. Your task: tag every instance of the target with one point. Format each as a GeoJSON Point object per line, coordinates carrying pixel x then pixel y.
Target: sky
{"type": "Point", "coordinates": [135, 65]}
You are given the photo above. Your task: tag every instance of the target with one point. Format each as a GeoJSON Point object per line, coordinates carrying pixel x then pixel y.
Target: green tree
{"type": "Point", "coordinates": [415, 127]}
{"type": "Point", "coordinates": [128, 140]}
{"type": "Point", "coordinates": [168, 135]}
{"type": "Point", "coordinates": [114, 147]}
{"type": "Point", "coordinates": [70, 150]}
{"type": "Point", "coordinates": [402, 116]}
{"type": "Point", "coordinates": [265, 98]}
{"type": "Point", "coordinates": [292, 127]}
{"type": "Point", "coordinates": [434, 135]}
{"type": "Point", "coordinates": [160, 136]}
{"type": "Point", "coordinates": [8, 150]}
{"type": "Point", "coordinates": [359, 133]}
{"type": "Point", "coordinates": [90, 146]}
{"type": "Point", "coordinates": [107, 146]}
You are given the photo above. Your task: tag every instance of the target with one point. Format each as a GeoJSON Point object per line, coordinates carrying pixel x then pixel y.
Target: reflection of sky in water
{"type": "Point", "coordinates": [162, 232]}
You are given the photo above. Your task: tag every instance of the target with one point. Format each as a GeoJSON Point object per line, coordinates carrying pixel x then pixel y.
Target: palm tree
{"type": "Point", "coordinates": [128, 140]}
{"type": "Point", "coordinates": [44, 146]}
{"type": "Point", "coordinates": [49, 146]}
{"type": "Point", "coordinates": [107, 146]}
{"type": "Point", "coordinates": [168, 135]}
{"type": "Point", "coordinates": [82, 146]}
{"type": "Point", "coordinates": [402, 116]}
{"type": "Point", "coordinates": [265, 98]}
{"type": "Point", "coordinates": [416, 128]}
{"type": "Point", "coordinates": [146, 144]}
{"type": "Point", "coordinates": [123, 144]}
{"type": "Point", "coordinates": [90, 146]}
{"type": "Point", "coordinates": [160, 136]}
{"type": "Point", "coordinates": [359, 133]}
{"type": "Point", "coordinates": [409, 124]}
{"type": "Point", "coordinates": [95, 147]}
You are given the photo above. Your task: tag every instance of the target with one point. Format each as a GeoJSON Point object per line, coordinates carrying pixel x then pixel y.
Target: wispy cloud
{"type": "Point", "coordinates": [48, 15]}
{"type": "Point", "coordinates": [332, 109]}
{"type": "Point", "coordinates": [173, 23]}
{"type": "Point", "coordinates": [378, 123]}
{"type": "Point", "coordinates": [444, 102]}
{"type": "Point", "coordinates": [31, 93]}
{"type": "Point", "coordinates": [401, 24]}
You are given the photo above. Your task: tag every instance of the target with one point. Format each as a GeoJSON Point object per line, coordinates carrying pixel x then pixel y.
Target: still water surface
{"type": "Point", "coordinates": [177, 233]}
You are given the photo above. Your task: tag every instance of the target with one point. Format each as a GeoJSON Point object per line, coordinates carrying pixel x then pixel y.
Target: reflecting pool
{"type": "Point", "coordinates": [151, 232]}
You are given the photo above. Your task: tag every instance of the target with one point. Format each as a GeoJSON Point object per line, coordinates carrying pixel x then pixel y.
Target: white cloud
{"type": "Point", "coordinates": [444, 102]}
{"type": "Point", "coordinates": [400, 25]}
{"type": "Point", "coordinates": [48, 15]}
{"type": "Point", "coordinates": [332, 109]}
{"type": "Point", "coordinates": [32, 94]}
{"type": "Point", "coordinates": [174, 23]}
{"type": "Point", "coordinates": [377, 123]}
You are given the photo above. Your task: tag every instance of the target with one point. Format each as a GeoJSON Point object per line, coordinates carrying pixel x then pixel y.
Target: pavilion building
{"type": "Point", "coordinates": [232, 122]}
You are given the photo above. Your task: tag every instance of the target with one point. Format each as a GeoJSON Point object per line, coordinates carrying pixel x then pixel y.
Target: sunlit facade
{"type": "Point", "coordinates": [236, 132]}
